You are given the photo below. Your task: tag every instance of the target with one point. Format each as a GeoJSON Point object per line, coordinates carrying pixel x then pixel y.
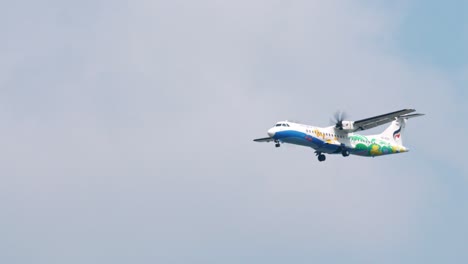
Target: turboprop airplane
{"type": "Point", "coordinates": [341, 139]}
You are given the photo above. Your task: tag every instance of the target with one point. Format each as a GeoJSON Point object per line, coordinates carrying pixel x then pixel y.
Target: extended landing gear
{"type": "Point", "coordinates": [344, 151]}
{"type": "Point", "coordinates": [277, 144]}
{"type": "Point", "coordinates": [320, 156]}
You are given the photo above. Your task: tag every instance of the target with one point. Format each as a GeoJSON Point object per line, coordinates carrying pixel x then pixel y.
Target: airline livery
{"type": "Point", "coordinates": [341, 139]}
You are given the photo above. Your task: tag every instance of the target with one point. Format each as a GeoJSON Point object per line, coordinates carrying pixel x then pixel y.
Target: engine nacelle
{"type": "Point", "coordinates": [347, 125]}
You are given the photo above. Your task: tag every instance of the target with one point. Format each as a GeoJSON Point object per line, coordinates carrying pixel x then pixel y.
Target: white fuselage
{"type": "Point", "coordinates": [333, 141]}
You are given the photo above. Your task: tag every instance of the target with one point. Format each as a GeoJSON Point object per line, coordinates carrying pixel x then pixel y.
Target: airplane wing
{"type": "Point", "coordinates": [268, 139]}
{"type": "Point", "coordinates": [375, 121]}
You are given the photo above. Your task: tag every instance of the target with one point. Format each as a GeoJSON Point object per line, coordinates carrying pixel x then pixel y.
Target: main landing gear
{"type": "Point", "coordinates": [320, 156]}
{"type": "Point", "coordinates": [344, 151]}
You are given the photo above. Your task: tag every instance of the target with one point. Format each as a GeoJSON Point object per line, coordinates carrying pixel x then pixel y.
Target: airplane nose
{"type": "Point", "coordinates": [271, 132]}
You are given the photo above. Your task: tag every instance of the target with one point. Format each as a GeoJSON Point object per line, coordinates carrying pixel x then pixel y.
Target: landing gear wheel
{"type": "Point", "coordinates": [277, 144]}
{"type": "Point", "coordinates": [321, 157]}
{"type": "Point", "coordinates": [345, 153]}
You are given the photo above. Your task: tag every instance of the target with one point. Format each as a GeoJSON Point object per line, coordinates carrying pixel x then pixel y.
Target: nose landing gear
{"type": "Point", "coordinates": [320, 156]}
{"type": "Point", "coordinates": [277, 144]}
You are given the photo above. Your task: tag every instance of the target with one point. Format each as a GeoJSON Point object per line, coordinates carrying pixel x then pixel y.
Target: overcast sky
{"type": "Point", "coordinates": [126, 131]}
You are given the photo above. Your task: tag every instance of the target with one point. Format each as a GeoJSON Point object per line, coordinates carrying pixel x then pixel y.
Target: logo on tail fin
{"type": "Point", "coordinates": [397, 134]}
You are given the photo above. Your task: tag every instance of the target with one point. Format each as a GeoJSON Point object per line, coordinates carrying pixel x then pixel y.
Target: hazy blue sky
{"type": "Point", "coordinates": [127, 127]}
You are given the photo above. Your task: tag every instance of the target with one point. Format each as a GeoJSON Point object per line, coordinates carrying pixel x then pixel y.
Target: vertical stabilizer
{"type": "Point", "coordinates": [394, 132]}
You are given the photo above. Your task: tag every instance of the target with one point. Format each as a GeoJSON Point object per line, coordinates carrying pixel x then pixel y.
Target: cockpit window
{"type": "Point", "coordinates": [282, 124]}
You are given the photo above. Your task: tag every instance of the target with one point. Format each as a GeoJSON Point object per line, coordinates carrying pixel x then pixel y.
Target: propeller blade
{"type": "Point", "coordinates": [339, 116]}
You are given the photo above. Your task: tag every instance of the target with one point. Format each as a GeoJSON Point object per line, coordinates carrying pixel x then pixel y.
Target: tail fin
{"type": "Point", "coordinates": [395, 131]}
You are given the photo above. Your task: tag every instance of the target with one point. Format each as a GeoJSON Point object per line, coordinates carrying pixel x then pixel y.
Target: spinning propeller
{"type": "Point", "coordinates": [338, 118]}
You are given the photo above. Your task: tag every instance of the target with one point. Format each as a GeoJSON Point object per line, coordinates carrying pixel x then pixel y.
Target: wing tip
{"type": "Point", "coordinates": [268, 139]}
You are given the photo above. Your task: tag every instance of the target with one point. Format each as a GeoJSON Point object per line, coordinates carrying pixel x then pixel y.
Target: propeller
{"type": "Point", "coordinates": [338, 118]}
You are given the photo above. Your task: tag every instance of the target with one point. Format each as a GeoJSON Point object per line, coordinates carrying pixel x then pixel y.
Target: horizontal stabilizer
{"type": "Point", "coordinates": [411, 116]}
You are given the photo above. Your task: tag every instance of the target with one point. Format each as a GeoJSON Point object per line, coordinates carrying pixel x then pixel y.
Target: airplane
{"type": "Point", "coordinates": [341, 139]}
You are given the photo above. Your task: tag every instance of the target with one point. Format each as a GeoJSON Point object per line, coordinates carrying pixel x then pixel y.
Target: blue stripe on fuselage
{"type": "Point", "coordinates": [296, 137]}
{"type": "Point", "coordinates": [299, 138]}
{"type": "Point", "coordinates": [303, 139]}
